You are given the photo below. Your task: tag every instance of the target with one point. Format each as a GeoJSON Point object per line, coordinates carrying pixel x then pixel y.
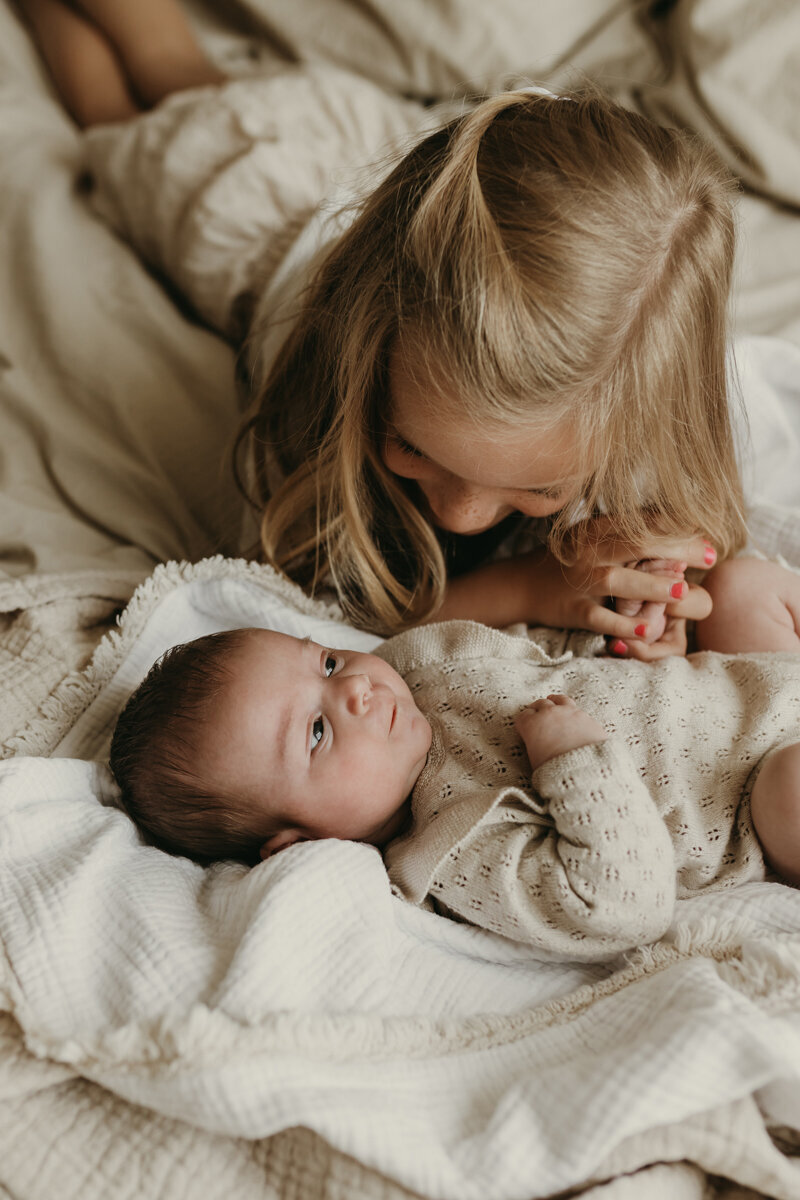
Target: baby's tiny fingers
{"type": "Point", "coordinates": [652, 622]}
{"type": "Point", "coordinates": [558, 699]}
{"type": "Point", "coordinates": [628, 608]}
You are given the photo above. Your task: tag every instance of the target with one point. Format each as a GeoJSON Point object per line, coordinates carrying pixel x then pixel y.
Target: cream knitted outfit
{"type": "Point", "coordinates": [586, 857]}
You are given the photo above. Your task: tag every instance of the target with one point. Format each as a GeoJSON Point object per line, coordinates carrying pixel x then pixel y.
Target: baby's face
{"type": "Point", "coordinates": [332, 737]}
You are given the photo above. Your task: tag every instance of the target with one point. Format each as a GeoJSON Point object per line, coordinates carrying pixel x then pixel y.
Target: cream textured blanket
{"type": "Point", "coordinates": [367, 1050]}
{"type": "Point", "coordinates": [301, 997]}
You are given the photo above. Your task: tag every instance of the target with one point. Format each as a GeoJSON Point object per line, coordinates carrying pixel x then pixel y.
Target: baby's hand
{"type": "Point", "coordinates": [554, 726]}
{"type": "Point", "coordinates": [653, 617]}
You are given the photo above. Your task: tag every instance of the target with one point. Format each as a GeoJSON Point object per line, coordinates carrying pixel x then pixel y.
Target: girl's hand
{"type": "Point", "coordinates": [672, 641]}
{"type": "Point", "coordinates": [652, 617]}
{"type": "Point", "coordinates": [555, 725]}
{"type": "Point", "coordinates": [605, 567]}
{"type": "Point", "coordinates": [537, 589]}
{"type": "Point", "coordinates": [662, 635]}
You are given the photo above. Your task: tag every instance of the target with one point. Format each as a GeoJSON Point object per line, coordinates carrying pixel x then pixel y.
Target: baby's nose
{"type": "Point", "coordinates": [358, 690]}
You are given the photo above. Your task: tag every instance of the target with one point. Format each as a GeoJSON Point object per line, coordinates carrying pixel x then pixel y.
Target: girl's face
{"type": "Point", "coordinates": [471, 479]}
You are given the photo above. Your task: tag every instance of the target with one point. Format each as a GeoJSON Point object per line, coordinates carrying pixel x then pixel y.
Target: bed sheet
{"type": "Point", "coordinates": [114, 402]}
{"type": "Point", "coordinates": [302, 993]}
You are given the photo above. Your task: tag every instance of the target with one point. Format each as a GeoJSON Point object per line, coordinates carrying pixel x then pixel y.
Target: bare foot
{"type": "Point", "coordinates": [775, 809]}
{"type": "Point", "coordinates": [756, 608]}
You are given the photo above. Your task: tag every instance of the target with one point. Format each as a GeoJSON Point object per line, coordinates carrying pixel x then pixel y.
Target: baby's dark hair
{"type": "Point", "coordinates": [155, 753]}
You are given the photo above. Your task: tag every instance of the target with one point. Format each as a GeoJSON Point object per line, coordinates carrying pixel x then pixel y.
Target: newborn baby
{"type": "Point", "coordinates": [506, 803]}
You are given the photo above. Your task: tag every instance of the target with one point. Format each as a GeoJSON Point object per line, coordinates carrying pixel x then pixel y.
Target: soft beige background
{"type": "Point", "coordinates": [116, 406]}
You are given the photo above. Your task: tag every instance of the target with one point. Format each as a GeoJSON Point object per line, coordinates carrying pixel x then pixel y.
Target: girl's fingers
{"type": "Point", "coordinates": [672, 642]}
{"type": "Point", "coordinates": [613, 624]}
{"type": "Point", "coordinates": [652, 620]}
{"type": "Point", "coordinates": [630, 584]}
{"type": "Point", "coordinates": [627, 631]}
{"type": "Point", "coordinates": [695, 552]}
{"type": "Point", "coordinates": [662, 566]}
{"type": "Point", "coordinates": [699, 553]}
{"type": "Point", "coordinates": [694, 605]}
{"type": "Point", "coordinates": [648, 626]}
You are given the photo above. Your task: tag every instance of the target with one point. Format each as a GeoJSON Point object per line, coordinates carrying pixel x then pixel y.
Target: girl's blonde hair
{"type": "Point", "coordinates": [538, 258]}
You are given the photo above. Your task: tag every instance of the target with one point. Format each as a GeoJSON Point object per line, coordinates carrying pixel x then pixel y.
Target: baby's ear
{"type": "Point", "coordinates": [279, 841]}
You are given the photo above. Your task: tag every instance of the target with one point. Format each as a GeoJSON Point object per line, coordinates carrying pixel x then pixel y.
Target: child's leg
{"type": "Point", "coordinates": [775, 809]}
{"type": "Point", "coordinates": [756, 608]}
{"type": "Point", "coordinates": [84, 67]}
{"type": "Point", "coordinates": [156, 45]}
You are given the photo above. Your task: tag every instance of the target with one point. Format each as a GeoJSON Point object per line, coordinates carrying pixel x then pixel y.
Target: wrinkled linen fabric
{"type": "Point", "coordinates": [115, 405]}
{"type": "Point", "coordinates": [302, 993]}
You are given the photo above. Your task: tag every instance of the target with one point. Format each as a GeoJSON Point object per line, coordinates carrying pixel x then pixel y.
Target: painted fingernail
{"type": "Point", "coordinates": [676, 591]}
{"type": "Point", "coordinates": [640, 631]}
{"type": "Point", "coordinates": [710, 555]}
{"type": "Point", "coordinates": [619, 647]}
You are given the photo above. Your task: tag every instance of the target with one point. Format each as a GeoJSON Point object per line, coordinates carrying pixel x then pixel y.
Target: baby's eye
{"type": "Point", "coordinates": [330, 664]}
{"type": "Point", "coordinates": [317, 730]}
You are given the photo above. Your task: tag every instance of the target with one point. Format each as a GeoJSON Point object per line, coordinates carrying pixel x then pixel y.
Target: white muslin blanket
{"type": "Point", "coordinates": [302, 993]}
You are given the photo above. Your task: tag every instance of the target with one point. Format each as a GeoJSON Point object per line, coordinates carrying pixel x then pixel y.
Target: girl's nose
{"type": "Point", "coordinates": [357, 691]}
{"type": "Point", "coordinates": [463, 509]}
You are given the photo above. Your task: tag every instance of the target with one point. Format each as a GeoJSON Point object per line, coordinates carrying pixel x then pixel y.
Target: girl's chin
{"type": "Point", "coordinates": [476, 532]}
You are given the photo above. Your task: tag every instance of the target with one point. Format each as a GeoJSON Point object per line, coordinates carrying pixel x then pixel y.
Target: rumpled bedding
{"type": "Point", "coordinates": [295, 1031]}
{"type": "Point", "coordinates": [302, 993]}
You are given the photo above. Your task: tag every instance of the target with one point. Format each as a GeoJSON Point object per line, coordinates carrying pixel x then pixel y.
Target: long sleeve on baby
{"type": "Point", "coordinates": [596, 879]}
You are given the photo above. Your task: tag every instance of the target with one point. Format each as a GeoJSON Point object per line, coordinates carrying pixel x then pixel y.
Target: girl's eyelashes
{"type": "Point", "coordinates": [405, 447]}
{"type": "Point", "coordinates": [547, 493]}
{"type": "Point", "coordinates": [551, 493]}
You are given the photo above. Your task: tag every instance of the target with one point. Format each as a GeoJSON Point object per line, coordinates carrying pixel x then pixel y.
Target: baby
{"type": "Point", "coordinates": [569, 821]}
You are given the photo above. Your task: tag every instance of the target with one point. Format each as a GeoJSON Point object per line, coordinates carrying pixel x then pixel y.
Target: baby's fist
{"type": "Point", "coordinates": [555, 725]}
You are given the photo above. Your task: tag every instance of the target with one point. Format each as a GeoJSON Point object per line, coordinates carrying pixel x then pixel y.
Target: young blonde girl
{"type": "Point", "coordinates": [525, 320]}
{"type": "Point", "coordinates": [542, 272]}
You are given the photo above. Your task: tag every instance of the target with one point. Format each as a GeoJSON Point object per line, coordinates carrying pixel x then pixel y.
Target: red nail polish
{"type": "Point", "coordinates": [641, 631]}
{"type": "Point", "coordinates": [710, 555]}
{"type": "Point", "coordinates": [676, 591]}
{"type": "Point", "coordinates": [619, 647]}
